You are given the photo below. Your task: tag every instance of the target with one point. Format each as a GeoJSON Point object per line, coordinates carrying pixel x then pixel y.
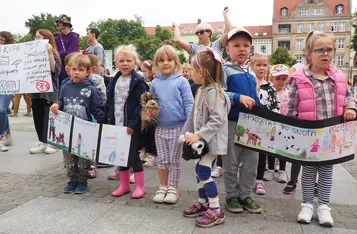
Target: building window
{"type": "Point", "coordinates": [303, 11]}
{"type": "Point", "coordinates": [299, 28]}
{"type": "Point", "coordinates": [252, 49]}
{"type": "Point", "coordinates": [284, 44]}
{"type": "Point", "coordinates": [284, 11]}
{"type": "Point", "coordinates": [321, 27]}
{"type": "Point", "coordinates": [318, 11]}
{"type": "Point", "coordinates": [340, 61]}
{"type": "Point", "coordinates": [284, 28]}
{"type": "Point", "coordinates": [263, 49]}
{"type": "Point", "coordinates": [333, 27]}
{"type": "Point", "coordinates": [299, 59]}
{"type": "Point", "coordinates": [339, 9]}
{"type": "Point", "coordinates": [310, 27]}
{"type": "Point", "coordinates": [342, 27]}
{"type": "Point", "coordinates": [341, 43]}
{"type": "Point", "coordinates": [299, 45]}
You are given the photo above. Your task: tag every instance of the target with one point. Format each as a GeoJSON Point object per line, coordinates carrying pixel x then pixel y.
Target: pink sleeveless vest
{"type": "Point", "coordinates": [306, 93]}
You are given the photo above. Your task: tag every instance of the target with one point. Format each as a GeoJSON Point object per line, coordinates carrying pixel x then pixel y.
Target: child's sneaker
{"type": "Point", "coordinates": [259, 189]}
{"type": "Point", "coordinates": [160, 194]}
{"type": "Point", "coordinates": [210, 218]}
{"type": "Point", "coordinates": [290, 188]}
{"type": "Point", "coordinates": [306, 212]}
{"type": "Point", "coordinates": [282, 178]}
{"type": "Point", "coordinates": [250, 205]}
{"type": "Point", "coordinates": [149, 160]}
{"type": "Point", "coordinates": [3, 148]}
{"type": "Point", "coordinates": [171, 195]}
{"type": "Point", "coordinates": [92, 172]}
{"type": "Point", "coordinates": [196, 210]}
{"type": "Point", "coordinates": [324, 216]}
{"type": "Point", "coordinates": [233, 205]}
{"type": "Point", "coordinates": [81, 189]}
{"type": "Point", "coordinates": [70, 188]}
{"type": "Point", "coordinates": [217, 172]}
{"type": "Point", "coordinates": [268, 175]}
{"type": "Point", "coordinates": [114, 175]}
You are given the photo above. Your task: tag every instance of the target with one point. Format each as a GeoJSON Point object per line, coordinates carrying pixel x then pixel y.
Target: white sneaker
{"type": "Point", "coordinates": [306, 212]}
{"type": "Point", "coordinates": [277, 165]}
{"type": "Point", "coordinates": [171, 195]}
{"type": "Point", "coordinates": [217, 172]}
{"type": "Point", "coordinates": [268, 175]}
{"type": "Point", "coordinates": [259, 188]}
{"type": "Point", "coordinates": [38, 149]}
{"type": "Point", "coordinates": [324, 216]}
{"type": "Point", "coordinates": [149, 161]}
{"type": "Point", "coordinates": [3, 148]}
{"type": "Point", "coordinates": [160, 194]}
{"type": "Point", "coordinates": [51, 150]}
{"type": "Point", "coordinates": [282, 178]}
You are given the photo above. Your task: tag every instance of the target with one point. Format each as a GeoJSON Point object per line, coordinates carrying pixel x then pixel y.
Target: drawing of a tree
{"type": "Point", "coordinates": [240, 130]}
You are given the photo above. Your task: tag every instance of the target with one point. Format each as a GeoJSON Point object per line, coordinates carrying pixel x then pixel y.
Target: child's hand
{"type": "Point", "coordinates": [349, 114]}
{"type": "Point", "coordinates": [225, 10]}
{"type": "Point", "coordinates": [192, 139]}
{"type": "Point", "coordinates": [54, 108]}
{"type": "Point", "coordinates": [129, 131]}
{"type": "Point", "coordinates": [174, 25]}
{"type": "Point", "coordinates": [248, 102]}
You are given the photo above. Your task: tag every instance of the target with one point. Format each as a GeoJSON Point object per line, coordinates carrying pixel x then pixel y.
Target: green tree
{"type": "Point", "coordinates": [282, 56]}
{"type": "Point", "coordinates": [83, 42]}
{"type": "Point", "coordinates": [26, 38]}
{"type": "Point", "coordinates": [42, 21]}
{"type": "Point", "coordinates": [354, 36]}
{"type": "Point", "coordinates": [240, 131]}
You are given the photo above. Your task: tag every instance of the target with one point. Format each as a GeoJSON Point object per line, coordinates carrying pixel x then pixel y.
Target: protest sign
{"type": "Point", "coordinates": [59, 130]}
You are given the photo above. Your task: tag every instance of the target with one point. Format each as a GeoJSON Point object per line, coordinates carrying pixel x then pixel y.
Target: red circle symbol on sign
{"type": "Point", "coordinates": [42, 86]}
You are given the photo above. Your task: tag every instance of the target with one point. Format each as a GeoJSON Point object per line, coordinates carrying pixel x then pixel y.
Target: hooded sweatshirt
{"type": "Point", "coordinates": [66, 46]}
{"type": "Point", "coordinates": [175, 100]}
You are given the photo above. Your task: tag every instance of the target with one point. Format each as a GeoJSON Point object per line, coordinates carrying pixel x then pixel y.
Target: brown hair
{"type": "Point", "coordinates": [48, 35]}
{"type": "Point", "coordinates": [9, 39]}
{"type": "Point", "coordinates": [94, 59]}
{"type": "Point", "coordinates": [148, 64]}
{"type": "Point", "coordinates": [170, 52]}
{"type": "Point", "coordinates": [82, 61]}
{"type": "Point", "coordinates": [253, 60]}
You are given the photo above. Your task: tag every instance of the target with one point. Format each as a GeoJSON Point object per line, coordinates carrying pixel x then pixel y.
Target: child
{"type": "Point", "coordinates": [123, 109]}
{"type": "Point", "coordinates": [147, 69]}
{"type": "Point", "coordinates": [95, 76]}
{"type": "Point", "coordinates": [208, 121]}
{"type": "Point", "coordinates": [241, 87]}
{"type": "Point", "coordinates": [175, 100]}
{"type": "Point", "coordinates": [186, 72]}
{"type": "Point", "coordinates": [317, 92]}
{"type": "Point", "coordinates": [85, 107]}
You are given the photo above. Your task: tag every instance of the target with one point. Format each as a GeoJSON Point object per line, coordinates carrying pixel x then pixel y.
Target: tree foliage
{"type": "Point", "coordinates": [282, 56]}
{"type": "Point", "coordinates": [42, 21]}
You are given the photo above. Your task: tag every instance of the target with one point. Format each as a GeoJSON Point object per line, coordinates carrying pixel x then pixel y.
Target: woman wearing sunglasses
{"type": "Point", "coordinates": [204, 32]}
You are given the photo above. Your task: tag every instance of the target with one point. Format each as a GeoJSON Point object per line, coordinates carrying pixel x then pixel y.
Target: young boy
{"type": "Point", "coordinates": [240, 84]}
{"type": "Point", "coordinates": [79, 98]}
{"type": "Point", "coordinates": [95, 76]}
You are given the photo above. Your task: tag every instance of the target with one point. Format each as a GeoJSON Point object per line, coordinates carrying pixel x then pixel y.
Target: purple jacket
{"type": "Point", "coordinates": [66, 46]}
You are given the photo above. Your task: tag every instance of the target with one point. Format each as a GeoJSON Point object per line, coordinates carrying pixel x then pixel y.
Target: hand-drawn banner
{"type": "Point", "coordinates": [59, 130]}
{"type": "Point", "coordinates": [25, 68]}
{"type": "Point", "coordinates": [321, 142]}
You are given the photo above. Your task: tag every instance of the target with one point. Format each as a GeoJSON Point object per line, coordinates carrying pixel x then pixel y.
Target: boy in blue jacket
{"type": "Point", "coordinates": [240, 84]}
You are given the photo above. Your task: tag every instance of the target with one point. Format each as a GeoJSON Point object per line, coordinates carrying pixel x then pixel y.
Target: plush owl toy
{"type": "Point", "coordinates": [150, 111]}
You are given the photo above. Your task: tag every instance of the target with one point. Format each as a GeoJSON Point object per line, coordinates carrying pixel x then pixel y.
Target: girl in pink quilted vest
{"type": "Point", "coordinates": [319, 91]}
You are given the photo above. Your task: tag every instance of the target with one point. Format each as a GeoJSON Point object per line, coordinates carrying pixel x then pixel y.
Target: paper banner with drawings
{"type": "Point", "coordinates": [59, 130]}
{"type": "Point", "coordinates": [115, 145]}
{"type": "Point", "coordinates": [25, 68]}
{"type": "Point", "coordinates": [329, 142]}
{"type": "Point", "coordinates": [85, 139]}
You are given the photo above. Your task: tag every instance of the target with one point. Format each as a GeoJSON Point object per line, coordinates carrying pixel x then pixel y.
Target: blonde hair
{"type": "Point", "coordinates": [253, 60]}
{"type": "Point", "coordinates": [170, 52]}
{"type": "Point", "coordinates": [82, 61]}
{"type": "Point", "coordinates": [186, 66]}
{"type": "Point", "coordinates": [127, 50]}
{"type": "Point", "coordinates": [204, 26]}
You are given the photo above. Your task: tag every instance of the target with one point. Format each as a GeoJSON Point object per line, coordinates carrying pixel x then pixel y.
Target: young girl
{"type": "Point", "coordinates": [270, 100]}
{"type": "Point", "coordinates": [175, 100]}
{"type": "Point", "coordinates": [208, 121]}
{"type": "Point", "coordinates": [325, 94]}
{"type": "Point", "coordinates": [123, 109]}
{"type": "Point", "coordinates": [95, 76]}
{"type": "Point", "coordinates": [147, 69]}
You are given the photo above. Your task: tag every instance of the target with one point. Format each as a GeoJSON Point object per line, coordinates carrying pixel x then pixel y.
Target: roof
{"type": "Point", "coordinates": [260, 32]}
{"type": "Point", "coordinates": [292, 4]}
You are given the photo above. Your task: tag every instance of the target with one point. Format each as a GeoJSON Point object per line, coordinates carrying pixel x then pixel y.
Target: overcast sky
{"type": "Point", "coordinates": [153, 12]}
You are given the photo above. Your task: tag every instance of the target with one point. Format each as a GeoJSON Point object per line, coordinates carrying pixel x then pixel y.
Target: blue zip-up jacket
{"type": "Point", "coordinates": [175, 100]}
{"type": "Point", "coordinates": [239, 80]}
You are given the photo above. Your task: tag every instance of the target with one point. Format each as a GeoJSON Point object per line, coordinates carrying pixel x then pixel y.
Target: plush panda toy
{"type": "Point", "coordinates": [194, 151]}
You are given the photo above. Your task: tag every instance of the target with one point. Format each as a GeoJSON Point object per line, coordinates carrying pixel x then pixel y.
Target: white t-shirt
{"type": "Point", "coordinates": [120, 95]}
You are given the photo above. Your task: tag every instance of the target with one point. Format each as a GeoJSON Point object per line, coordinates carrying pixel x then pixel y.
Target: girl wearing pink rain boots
{"type": "Point", "coordinates": [123, 109]}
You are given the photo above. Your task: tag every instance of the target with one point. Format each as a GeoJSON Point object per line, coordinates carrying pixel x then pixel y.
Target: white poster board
{"type": "Point", "coordinates": [59, 130]}
{"type": "Point", "coordinates": [115, 145]}
{"type": "Point", "coordinates": [25, 68]}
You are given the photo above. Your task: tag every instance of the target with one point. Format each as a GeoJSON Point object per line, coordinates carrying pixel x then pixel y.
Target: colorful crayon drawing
{"type": "Point", "coordinates": [59, 130]}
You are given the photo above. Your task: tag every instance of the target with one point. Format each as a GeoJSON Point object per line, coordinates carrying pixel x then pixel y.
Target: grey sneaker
{"type": "Point", "coordinates": [282, 178]}
{"type": "Point", "coordinates": [268, 175]}
{"type": "Point", "coordinates": [3, 148]}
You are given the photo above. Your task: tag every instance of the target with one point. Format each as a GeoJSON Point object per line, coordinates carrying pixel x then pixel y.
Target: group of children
{"type": "Point", "coordinates": [318, 91]}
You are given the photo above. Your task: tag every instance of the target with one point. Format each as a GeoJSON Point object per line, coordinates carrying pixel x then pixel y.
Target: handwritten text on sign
{"type": "Point", "coordinates": [25, 68]}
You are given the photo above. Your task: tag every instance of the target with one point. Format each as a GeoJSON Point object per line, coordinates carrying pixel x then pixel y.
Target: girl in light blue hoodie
{"type": "Point", "coordinates": [175, 100]}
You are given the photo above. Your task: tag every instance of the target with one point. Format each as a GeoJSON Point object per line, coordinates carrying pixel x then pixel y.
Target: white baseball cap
{"type": "Point", "coordinates": [242, 30]}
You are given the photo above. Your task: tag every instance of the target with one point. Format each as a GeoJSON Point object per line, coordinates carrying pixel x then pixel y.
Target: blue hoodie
{"type": "Point", "coordinates": [175, 100]}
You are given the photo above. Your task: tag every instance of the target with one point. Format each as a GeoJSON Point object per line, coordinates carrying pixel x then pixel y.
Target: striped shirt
{"type": "Point", "coordinates": [216, 45]}
{"type": "Point", "coordinates": [324, 94]}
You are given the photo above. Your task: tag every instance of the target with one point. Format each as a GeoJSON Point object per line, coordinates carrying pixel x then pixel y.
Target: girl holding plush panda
{"type": "Point", "coordinates": [208, 122]}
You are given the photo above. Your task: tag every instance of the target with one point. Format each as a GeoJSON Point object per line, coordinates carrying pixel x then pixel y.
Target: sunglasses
{"type": "Point", "coordinates": [201, 32]}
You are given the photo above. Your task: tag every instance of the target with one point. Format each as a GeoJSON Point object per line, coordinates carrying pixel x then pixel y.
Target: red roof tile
{"type": "Point", "coordinates": [262, 31]}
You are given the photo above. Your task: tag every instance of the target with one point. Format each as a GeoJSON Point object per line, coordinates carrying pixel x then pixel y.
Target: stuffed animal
{"type": "Point", "coordinates": [150, 111]}
{"type": "Point", "coordinates": [194, 151]}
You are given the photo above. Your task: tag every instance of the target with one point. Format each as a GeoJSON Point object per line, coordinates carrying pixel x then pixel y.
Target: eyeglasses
{"type": "Point", "coordinates": [201, 32]}
{"type": "Point", "coordinates": [321, 51]}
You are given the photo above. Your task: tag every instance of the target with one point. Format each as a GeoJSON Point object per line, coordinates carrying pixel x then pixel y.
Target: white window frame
{"type": "Point", "coordinates": [340, 61]}
{"type": "Point", "coordinates": [321, 11]}
{"type": "Point", "coordinates": [299, 59]}
{"type": "Point", "coordinates": [342, 27]}
{"type": "Point", "coordinates": [299, 45]}
{"type": "Point", "coordinates": [315, 11]}
{"type": "Point", "coordinates": [339, 7]}
{"type": "Point", "coordinates": [310, 27]}
{"type": "Point", "coordinates": [333, 27]}
{"type": "Point", "coordinates": [300, 28]}
{"type": "Point", "coordinates": [341, 43]}
{"type": "Point", "coordinates": [304, 11]}
{"type": "Point", "coordinates": [263, 50]}
{"type": "Point", "coordinates": [321, 27]}
{"type": "Point", "coordinates": [284, 11]}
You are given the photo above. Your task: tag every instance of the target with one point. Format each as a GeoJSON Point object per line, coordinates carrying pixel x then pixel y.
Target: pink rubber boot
{"type": "Point", "coordinates": [140, 185]}
{"type": "Point", "coordinates": [124, 186]}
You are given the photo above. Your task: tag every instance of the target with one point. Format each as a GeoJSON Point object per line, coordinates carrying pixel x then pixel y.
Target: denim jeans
{"type": "Point", "coordinates": [4, 120]}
